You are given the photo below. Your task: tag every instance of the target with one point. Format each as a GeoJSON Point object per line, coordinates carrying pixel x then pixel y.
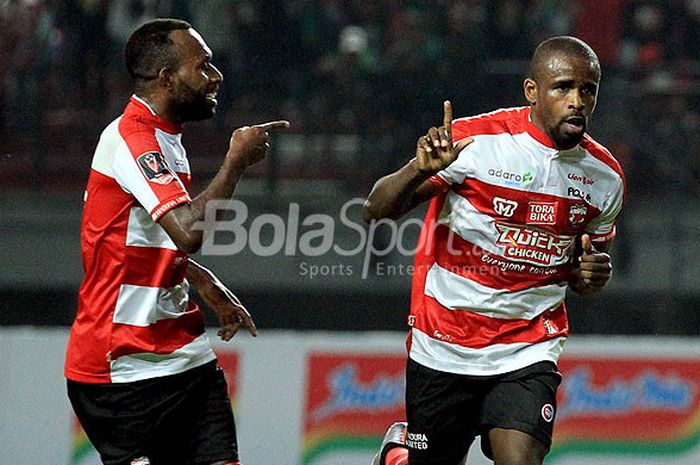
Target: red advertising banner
{"type": "Point", "coordinates": [350, 401]}
{"type": "Point", "coordinates": [627, 406]}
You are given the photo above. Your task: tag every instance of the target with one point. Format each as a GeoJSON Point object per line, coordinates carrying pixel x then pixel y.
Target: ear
{"type": "Point", "coordinates": [165, 78]}
{"type": "Point", "coordinates": [530, 90]}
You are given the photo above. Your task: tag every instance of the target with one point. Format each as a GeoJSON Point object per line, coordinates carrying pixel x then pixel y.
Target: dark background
{"type": "Point", "coordinates": [360, 81]}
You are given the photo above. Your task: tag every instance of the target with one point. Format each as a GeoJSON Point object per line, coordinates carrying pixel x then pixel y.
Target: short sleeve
{"type": "Point", "coordinates": [602, 228]}
{"type": "Point", "coordinates": [150, 180]}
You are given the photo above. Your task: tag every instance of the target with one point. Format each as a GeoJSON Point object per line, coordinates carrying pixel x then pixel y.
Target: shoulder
{"type": "Point", "coordinates": [139, 135]}
{"type": "Point", "coordinates": [601, 153]}
{"type": "Point", "coordinates": [501, 121]}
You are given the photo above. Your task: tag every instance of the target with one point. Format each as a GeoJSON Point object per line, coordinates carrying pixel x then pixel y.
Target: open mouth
{"type": "Point", "coordinates": [575, 123]}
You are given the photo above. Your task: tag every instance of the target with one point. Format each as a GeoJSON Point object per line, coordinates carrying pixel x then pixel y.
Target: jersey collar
{"type": "Point", "coordinates": [140, 107]}
{"type": "Point", "coordinates": [536, 133]}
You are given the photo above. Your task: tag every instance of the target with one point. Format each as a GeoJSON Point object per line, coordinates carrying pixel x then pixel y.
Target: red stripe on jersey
{"type": "Point", "coordinates": [140, 138]}
{"type": "Point", "coordinates": [511, 120]}
{"type": "Point", "coordinates": [161, 337]}
{"type": "Point", "coordinates": [166, 268]}
{"type": "Point", "coordinates": [475, 331]}
{"type": "Point", "coordinates": [604, 155]}
{"type": "Point", "coordinates": [481, 196]}
{"type": "Point", "coordinates": [474, 263]}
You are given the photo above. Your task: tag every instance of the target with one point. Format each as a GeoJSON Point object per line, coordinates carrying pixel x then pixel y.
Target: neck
{"type": "Point", "coordinates": [159, 105]}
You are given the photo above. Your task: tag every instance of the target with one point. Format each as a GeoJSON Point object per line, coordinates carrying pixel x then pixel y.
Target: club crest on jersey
{"type": "Point", "coordinates": [541, 213]}
{"type": "Point", "coordinates": [577, 214]}
{"type": "Point", "coordinates": [504, 207]}
{"type": "Point", "coordinates": [155, 168]}
{"type": "Point", "coordinates": [533, 246]}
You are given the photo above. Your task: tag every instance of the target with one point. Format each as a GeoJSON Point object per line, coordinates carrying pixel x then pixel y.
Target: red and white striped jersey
{"type": "Point", "coordinates": [495, 253]}
{"type": "Point", "coordinates": [134, 318]}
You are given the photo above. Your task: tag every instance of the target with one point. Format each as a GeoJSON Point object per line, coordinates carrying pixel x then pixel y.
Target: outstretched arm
{"type": "Point", "coordinates": [593, 268]}
{"type": "Point", "coordinates": [248, 146]}
{"type": "Point", "coordinates": [397, 193]}
{"type": "Point", "coordinates": [231, 312]}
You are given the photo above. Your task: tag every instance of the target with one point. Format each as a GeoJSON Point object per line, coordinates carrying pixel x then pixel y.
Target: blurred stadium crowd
{"type": "Point", "coordinates": [361, 81]}
{"type": "Point", "coordinates": [378, 69]}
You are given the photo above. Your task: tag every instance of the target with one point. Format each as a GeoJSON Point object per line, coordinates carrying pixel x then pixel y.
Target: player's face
{"type": "Point", "coordinates": [196, 80]}
{"type": "Point", "coordinates": [563, 97]}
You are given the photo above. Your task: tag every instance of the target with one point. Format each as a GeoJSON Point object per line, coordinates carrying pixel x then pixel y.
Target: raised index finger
{"type": "Point", "coordinates": [447, 119]}
{"type": "Point", "coordinates": [273, 125]}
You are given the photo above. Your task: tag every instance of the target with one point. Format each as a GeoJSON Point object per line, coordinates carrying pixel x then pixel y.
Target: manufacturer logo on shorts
{"type": "Point", "coordinates": [548, 413]}
{"type": "Point", "coordinates": [141, 461]}
{"type": "Point", "coordinates": [504, 207]}
{"type": "Point", "coordinates": [417, 441]}
{"type": "Point", "coordinates": [154, 168]}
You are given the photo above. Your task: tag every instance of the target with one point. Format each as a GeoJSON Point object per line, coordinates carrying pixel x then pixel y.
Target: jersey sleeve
{"type": "Point", "coordinates": [145, 174]}
{"type": "Point", "coordinates": [602, 228]}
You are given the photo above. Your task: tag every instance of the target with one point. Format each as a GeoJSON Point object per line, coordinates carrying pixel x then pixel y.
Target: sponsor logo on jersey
{"type": "Point", "coordinates": [577, 214]}
{"type": "Point", "coordinates": [141, 461]}
{"type": "Point", "coordinates": [512, 179]}
{"type": "Point", "coordinates": [504, 207]}
{"type": "Point", "coordinates": [585, 180]}
{"type": "Point", "coordinates": [541, 213]}
{"type": "Point", "coordinates": [573, 192]}
{"type": "Point", "coordinates": [155, 168]}
{"type": "Point", "coordinates": [548, 412]}
{"type": "Point", "coordinates": [532, 245]}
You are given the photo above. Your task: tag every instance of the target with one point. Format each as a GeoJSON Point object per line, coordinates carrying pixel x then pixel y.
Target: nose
{"type": "Point", "coordinates": [216, 75]}
{"type": "Point", "coordinates": [576, 100]}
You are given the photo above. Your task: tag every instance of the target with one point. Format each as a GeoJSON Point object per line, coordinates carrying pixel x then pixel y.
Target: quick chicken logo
{"type": "Point", "coordinates": [533, 246]}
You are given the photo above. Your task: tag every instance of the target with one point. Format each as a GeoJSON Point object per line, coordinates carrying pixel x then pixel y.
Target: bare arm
{"type": "Point", "coordinates": [397, 193]}
{"type": "Point", "coordinates": [231, 312]}
{"type": "Point", "coordinates": [248, 146]}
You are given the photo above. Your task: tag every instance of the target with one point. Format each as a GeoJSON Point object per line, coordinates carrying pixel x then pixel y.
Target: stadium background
{"type": "Point", "coordinates": [359, 81]}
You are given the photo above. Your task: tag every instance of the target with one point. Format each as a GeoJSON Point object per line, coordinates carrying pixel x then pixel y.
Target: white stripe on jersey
{"type": "Point", "coordinates": [491, 360]}
{"type": "Point", "coordinates": [143, 232]}
{"type": "Point", "coordinates": [142, 306]}
{"type": "Point", "coordinates": [148, 365]}
{"type": "Point", "coordinates": [461, 294]}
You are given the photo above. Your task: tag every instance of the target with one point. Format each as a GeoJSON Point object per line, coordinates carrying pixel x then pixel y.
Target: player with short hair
{"type": "Point", "coordinates": [141, 374]}
{"type": "Point", "coordinates": [523, 204]}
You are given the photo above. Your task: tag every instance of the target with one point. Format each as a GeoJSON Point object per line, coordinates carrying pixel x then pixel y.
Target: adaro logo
{"type": "Point", "coordinates": [154, 168]}
{"type": "Point", "coordinates": [504, 207]}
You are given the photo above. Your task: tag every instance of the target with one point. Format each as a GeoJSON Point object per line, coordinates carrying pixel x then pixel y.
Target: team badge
{"type": "Point", "coordinates": [155, 168]}
{"type": "Point", "coordinates": [548, 413]}
{"type": "Point", "coordinates": [577, 214]}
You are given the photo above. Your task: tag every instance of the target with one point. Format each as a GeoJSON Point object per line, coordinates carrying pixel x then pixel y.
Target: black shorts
{"type": "Point", "coordinates": [446, 411]}
{"type": "Point", "coordinates": [183, 419]}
